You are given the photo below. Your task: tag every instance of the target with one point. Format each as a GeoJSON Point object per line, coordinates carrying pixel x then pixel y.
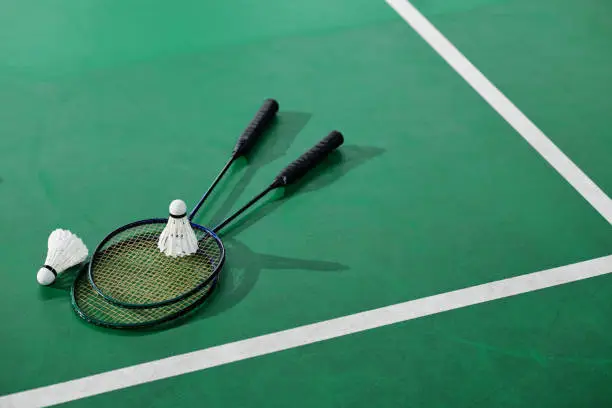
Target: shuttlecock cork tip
{"type": "Point", "coordinates": [45, 276]}
{"type": "Point", "coordinates": [178, 208]}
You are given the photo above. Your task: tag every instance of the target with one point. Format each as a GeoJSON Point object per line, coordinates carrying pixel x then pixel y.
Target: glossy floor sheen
{"type": "Point", "coordinates": [111, 109]}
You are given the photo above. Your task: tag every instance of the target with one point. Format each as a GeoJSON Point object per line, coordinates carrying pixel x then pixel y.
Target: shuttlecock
{"type": "Point", "coordinates": [178, 238]}
{"type": "Point", "coordinates": [65, 250]}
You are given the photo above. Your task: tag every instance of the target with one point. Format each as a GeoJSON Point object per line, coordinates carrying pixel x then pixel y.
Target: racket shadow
{"type": "Point", "coordinates": [336, 166]}
{"type": "Point", "coordinates": [273, 145]}
{"type": "Point", "coordinates": [243, 269]}
{"type": "Point", "coordinates": [244, 266]}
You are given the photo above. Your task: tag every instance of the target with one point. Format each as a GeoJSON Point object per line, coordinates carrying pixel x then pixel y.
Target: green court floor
{"type": "Point", "coordinates": [110, 110]}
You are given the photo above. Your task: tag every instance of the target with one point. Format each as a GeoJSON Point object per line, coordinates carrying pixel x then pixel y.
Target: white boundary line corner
{"type": "Point", "coordinates": [500, 103]}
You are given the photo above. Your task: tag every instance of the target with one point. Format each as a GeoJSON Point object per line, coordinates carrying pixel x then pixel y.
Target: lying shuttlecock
{"type": "Point", "coordinates": [178, 238]}
{"type": "Point", "coordinates": [64, 251]}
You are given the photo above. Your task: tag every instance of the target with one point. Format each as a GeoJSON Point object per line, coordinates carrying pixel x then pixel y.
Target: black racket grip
{"type": "Point", "coordinates": [309, 160]}
{"type": "Point", "coordinates": [250, 135]}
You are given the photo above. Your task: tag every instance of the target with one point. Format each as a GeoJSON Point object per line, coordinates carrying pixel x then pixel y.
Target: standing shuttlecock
{"type": "Point", "coordinates": [178, 238]}
{"type": "Point", "coordinates": [64, 251]}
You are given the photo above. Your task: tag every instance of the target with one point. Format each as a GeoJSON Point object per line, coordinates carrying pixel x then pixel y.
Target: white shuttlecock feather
{"type": "Point", "coordinates": [178, 238]}
{"type": "Point", "coordinates": [64, 251]}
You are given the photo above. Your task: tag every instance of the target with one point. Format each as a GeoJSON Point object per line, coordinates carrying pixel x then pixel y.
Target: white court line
{"type": "Point", "coordinates": [300, 336]}
{"type": "Point", "coordinates": [498, 101]}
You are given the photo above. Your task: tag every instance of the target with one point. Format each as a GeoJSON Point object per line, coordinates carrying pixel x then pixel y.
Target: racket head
{"type": "Point", "coordinates": [128, 270]}
{"type": "Point", "coordinates": [94, 309]}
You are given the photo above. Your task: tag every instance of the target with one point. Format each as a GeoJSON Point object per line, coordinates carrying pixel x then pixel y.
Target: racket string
{"type": "Point", "coordinates": [130, 268]}
{"type": "Point", "coordinates": [94, 307]}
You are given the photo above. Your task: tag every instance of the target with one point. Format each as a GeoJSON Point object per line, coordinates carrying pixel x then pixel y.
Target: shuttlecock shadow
{"type": "Point", "coordinates": [61, 287]}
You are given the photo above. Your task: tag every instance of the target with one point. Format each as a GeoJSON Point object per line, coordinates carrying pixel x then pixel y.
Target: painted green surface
{"type": "Point", "coordinates": [559, 354]}
{"type": "Point", "coordinates": [432, 191]}
{"type": "Point", "coordinates": [552, 59]}
{"type": "Point", "coordinates": [64, 37]}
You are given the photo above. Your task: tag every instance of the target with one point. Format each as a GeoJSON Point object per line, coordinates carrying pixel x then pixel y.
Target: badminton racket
{"type": "Point", "coordinates": [96, 310]}
{"type": "Point", "coordinates": [128, 270]}
{"type": "Point", "coordinates": [124, 248]}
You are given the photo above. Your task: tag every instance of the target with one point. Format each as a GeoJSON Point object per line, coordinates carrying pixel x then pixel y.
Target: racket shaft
{"type": "Point", "coordinates": [211, 188]}
{"type": "Point", "coordinates": [243, 209]}
{"type": "Point", "coordinates": [245, 143]}
{"type": "Point", "coordinates": [294, 171]}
